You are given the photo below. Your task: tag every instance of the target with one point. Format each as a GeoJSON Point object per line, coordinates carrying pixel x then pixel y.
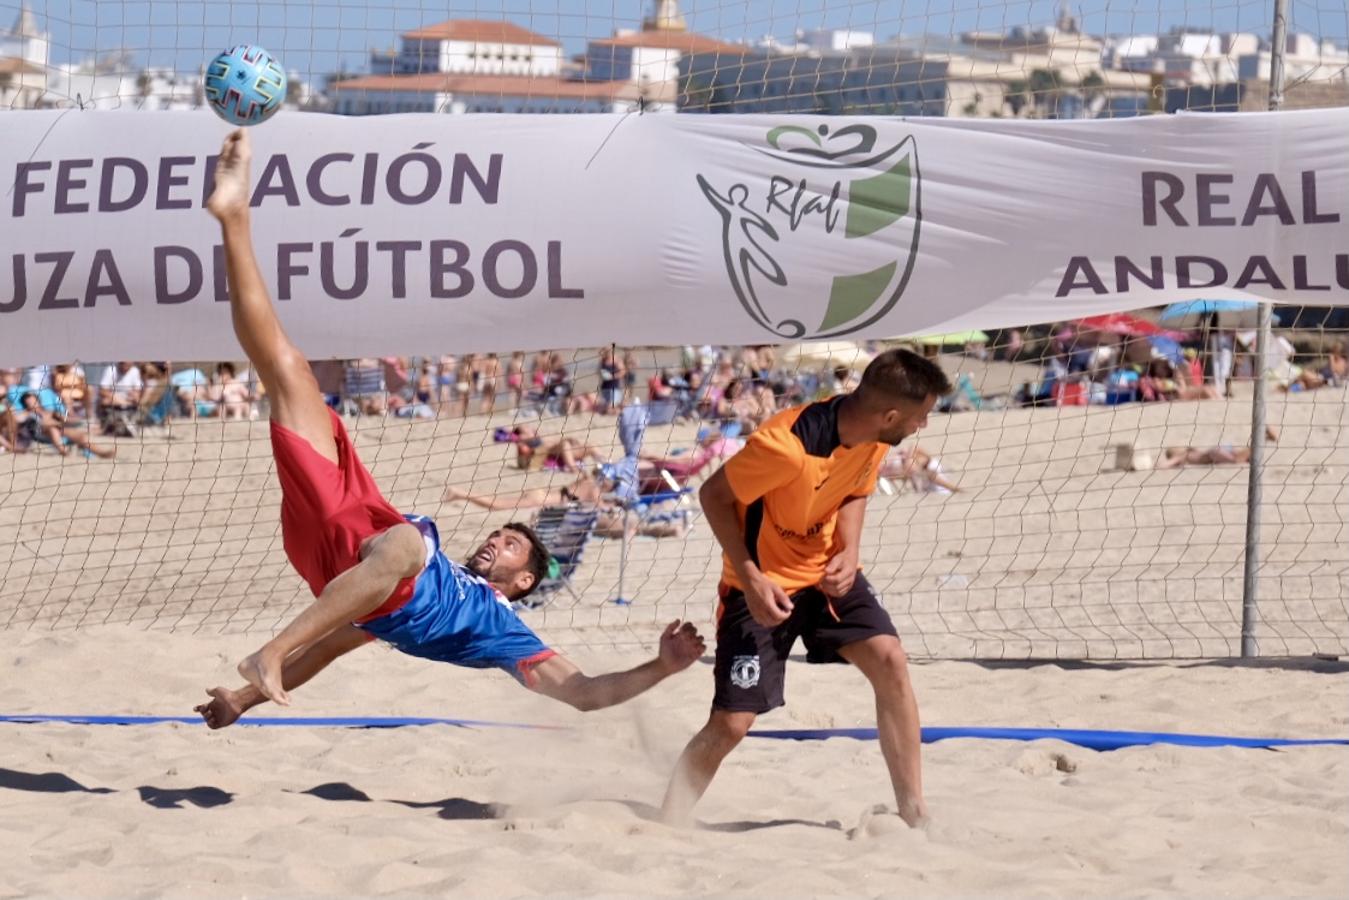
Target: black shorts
{"type": "Point", "coordinates": [751, 663]}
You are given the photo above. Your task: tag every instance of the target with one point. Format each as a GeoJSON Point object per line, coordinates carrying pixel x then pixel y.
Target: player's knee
{"type": "Point", "coordinates": [725, 730]}
{"type": "Point", "coordinates": [402, 549]}
{"type": "Point", "coordinates": [891, 667]}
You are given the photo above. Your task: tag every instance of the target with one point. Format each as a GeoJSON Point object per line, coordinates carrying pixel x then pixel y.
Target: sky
{"type": "Point", "coordinates": [316, 37]}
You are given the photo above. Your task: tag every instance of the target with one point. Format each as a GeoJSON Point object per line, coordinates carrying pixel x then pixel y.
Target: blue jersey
{"type": "Point", "coordinates": [456, 617]}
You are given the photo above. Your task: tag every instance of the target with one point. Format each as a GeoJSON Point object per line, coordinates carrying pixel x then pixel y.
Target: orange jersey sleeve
{"type": "Point", "coordinates": [771, 458]}
{"type": "Point", "coordinates": [873, 474]}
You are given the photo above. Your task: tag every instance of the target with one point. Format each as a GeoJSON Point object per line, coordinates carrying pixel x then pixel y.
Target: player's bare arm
{"type": "Point", "coordinates": [841, 570]}
{"type": "Point", "coordinates": [559, 678]}
{"type": "Point", "coordinates": [768, 603]}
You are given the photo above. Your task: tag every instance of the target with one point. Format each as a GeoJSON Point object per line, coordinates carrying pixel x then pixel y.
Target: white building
{"type": "Point", "coordinates": [1305, 60]}
{"type": "Point", "coordinates": [24, 50]}
{"type": "Point", "coordinates": [1194, 58]}
{"type": "Point", "coordinates": [469, 66]}
{"type": "Point", "coordinates": [471, 47]}
{"type": "Point", "coordinates": [649, 61]}
{"type": "Point", "coordinates": [833, 39]}
{"type": "Point", "coordinates": [1052, 72]}
{"type": "Point", "coordinates": [382, 94]}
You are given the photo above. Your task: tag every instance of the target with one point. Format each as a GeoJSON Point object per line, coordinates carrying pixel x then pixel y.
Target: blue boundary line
{"type": "Point", "coordinates": [285, 721]}
{"type": "Point", "coordinates": [1091, 739]}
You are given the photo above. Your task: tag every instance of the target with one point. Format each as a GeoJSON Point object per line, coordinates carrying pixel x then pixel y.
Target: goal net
{"type": "Point", "coordinates": [1081, 494]}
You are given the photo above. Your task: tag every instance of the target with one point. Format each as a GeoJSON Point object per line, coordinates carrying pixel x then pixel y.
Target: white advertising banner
{"type": "Point", "coordinates": [432, 234]}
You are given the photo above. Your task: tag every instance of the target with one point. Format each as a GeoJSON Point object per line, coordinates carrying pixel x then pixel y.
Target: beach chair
{"type": "Point", "coordinates": [661, 412]}
{"type": "Point", "coordinates": [565, 531]}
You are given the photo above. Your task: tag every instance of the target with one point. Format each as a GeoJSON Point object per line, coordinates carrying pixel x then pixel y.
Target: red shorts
{"type": "Point", "coordinates": [328, 510]}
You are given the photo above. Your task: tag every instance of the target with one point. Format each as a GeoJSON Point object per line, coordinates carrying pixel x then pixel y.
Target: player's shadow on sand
{"type": "Point", "coordinates": [45, 783]}
{"type": "Point", "coordinates": [202, 797]}
{"type": "Point", "coordinates": [652, 814]}
{"type": "Point", "coordinates": [454, 808]}
{"type": "Point", "coordinates": [159, 798]}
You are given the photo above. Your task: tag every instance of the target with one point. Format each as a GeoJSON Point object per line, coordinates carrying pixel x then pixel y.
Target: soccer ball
{"type": "Point", "coordinates": [245, 85]}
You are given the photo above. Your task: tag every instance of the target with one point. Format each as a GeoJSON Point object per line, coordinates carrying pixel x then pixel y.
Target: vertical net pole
{"type": "Point", "coordinates": [1250, 611]}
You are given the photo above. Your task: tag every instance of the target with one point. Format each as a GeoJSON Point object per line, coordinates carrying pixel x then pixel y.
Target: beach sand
{"type": "Point", "coordinates": [129, 587]}
{"type": "Point", "coordinates": [177, 810]}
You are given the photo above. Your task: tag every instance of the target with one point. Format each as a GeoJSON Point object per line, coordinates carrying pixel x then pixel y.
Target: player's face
{"type": "Point", "coordinates": [501, 558]}
{"type": "Point", "coordinates": [904, 420]}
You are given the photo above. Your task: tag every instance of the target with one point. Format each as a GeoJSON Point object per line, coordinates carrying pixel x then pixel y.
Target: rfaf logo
{"type": "Point", "coordinates": [844, 196]}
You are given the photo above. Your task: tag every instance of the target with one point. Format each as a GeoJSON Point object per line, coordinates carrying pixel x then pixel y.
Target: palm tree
{"type": "Point", "coordinates": [1016, 96]}
{"type": "Point", "coordinates": [1043, 85]}
{"type": "Point", "coordinates": [1093, 87]}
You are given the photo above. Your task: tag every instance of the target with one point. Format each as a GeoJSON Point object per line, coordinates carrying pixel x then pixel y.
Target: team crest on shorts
{"type": "Point", "coordinates": [745, 671]}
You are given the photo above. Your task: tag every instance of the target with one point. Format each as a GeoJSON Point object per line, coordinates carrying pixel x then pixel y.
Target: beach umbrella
{"type": "Point", "coordinates": [830, 354]}
{"type": "Point", "coordinates": [972, 336]}
{"type": "Point", "coordinates": [1126, 325]}
{"type": "Point", "coordinates": [1190, 314]}
{"type": "Point", "coordinates": [1168, 349]}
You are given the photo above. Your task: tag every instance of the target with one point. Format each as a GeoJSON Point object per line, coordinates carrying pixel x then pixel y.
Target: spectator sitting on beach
{"type": "Point", "coordinates": [48, 426]}
{"type": "Point", "coordinates": [1334, 373]}
{"type": "Point", "coordinates": [920, 469]}
{"type": "Point", "coordinates": [9, 428]}
{"type": "Point", "coordinates": [230, 393]}
{"type": "Point", "coordinates": [119, 397]}
{"type": "Point", "coordinates": [658, 387]}
{"type": "Point", "coordinates": [533, 451]}
{"type": "Point", "coordinates": [750, 407]}
{"type": "Point", "coordinates": [1160, 383]}
{"type": "Point", "coordinates": [586, 490]}
{"type": "Point", "coordinates": [69, 384]}
{"type": "Point", "coordinates": [653, 469]}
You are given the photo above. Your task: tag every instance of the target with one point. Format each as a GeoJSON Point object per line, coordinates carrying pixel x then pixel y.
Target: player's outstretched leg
{"type": "Point", "coordinates": [297, 406]}
{"type": "Point", "coordinates": [700, 760]}
{"type": "Point", "coordinates": [296, 402]}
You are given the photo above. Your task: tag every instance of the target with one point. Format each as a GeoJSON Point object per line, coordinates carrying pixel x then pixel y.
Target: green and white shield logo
{"type": "Point", "coordinates": [822, 243]}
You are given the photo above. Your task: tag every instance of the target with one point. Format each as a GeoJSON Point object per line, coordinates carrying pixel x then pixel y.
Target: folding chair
{"type": "Point", "coordinates": [565, 531]}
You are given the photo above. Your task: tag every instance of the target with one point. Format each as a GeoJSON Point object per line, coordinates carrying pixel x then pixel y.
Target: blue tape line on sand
{"type": "Point", "coordinates": [297, 721]}
{"type": "Point", "coordinates": [1091, 739]}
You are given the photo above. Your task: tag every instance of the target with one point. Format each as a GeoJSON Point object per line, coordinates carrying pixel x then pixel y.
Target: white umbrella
{"type": "Point", "coordinates": [831, 354]}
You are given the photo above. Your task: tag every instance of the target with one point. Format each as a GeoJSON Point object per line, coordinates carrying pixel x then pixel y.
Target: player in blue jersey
{"type": "Point", "coordinates": [375, 573]}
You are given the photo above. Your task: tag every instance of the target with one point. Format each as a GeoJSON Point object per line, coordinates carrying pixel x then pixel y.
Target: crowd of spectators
{"type": "Point", "coordinates": [732, 390]}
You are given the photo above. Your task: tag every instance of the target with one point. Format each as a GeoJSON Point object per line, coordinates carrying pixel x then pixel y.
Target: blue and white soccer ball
{"type": "Point", "coordinates": [245, 85]}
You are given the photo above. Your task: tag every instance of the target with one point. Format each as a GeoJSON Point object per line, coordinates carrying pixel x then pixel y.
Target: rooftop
{"type": "Point", "coordinates": [480, 31]}
{"type": "Point", "coordinates": [500, 85]}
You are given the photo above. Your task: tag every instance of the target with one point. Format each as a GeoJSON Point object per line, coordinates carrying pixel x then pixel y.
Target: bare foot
{"type": "Point", "coordinates": [915, 814]}
{"type": "Point", "coordinates": [225, 708]}
{"type": "Point", "coordinates": [230, 196]}
{"type": "Point", "coordinates": [265, 675]}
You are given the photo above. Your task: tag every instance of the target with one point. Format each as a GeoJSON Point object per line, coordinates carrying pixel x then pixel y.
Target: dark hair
{"type": "Point", "coordinates": [225, 368]}
{"type": "Point", "coordinates": [539, 557]}
{"type": "Point", "coordinates": [23, 399]}
{"type": "Point", "coordinates": [903, 375]}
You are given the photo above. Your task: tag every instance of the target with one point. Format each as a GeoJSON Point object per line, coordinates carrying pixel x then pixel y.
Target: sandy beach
{"type": "Point", "coordinates": [176, 810]}
{"type": "Point", "coordinates": [129, 587]}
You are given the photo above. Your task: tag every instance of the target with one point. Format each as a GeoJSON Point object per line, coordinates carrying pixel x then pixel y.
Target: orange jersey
{"type": "Point", "coordinates": [789, 482]}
